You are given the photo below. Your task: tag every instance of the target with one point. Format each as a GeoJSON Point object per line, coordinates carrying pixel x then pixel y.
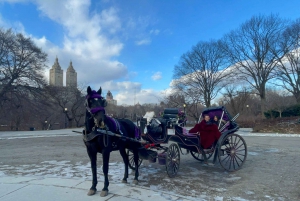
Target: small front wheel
{"type": "Point", "coordinates": [131, 159]}
{"type": "Point", "coordinates": [173, 160]}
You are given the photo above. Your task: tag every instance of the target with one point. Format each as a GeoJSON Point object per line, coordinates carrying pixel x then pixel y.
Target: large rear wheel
{"type": "Point", "coordinates": [232, 152]}
{"type": "Point", "coordinates": [131, 159]}
{"type": "Point", "coordinates": [173, 160]}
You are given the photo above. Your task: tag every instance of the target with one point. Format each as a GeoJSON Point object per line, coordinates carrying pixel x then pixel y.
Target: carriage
{"type": "Point", "coordinates": [103, 134]}
{"type": "Point", "coordinates": [172, 139]}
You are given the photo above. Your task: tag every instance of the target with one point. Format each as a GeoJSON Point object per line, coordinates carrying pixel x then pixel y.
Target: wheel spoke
{"type": "Point", "coordinates": [239, 158]}
{"type": "Point", "coordinates": [236, 161]}
{"type": "Point", "coordinates": [225, 158]}
{"type": "Point", "coordinates": [239, 146]}
{"type": "Point", "coordinates": [237, 143]}
{"type": "Point", "coordinates": [229, 162]}
{"type": "Point", "coordinates": [235, 140]}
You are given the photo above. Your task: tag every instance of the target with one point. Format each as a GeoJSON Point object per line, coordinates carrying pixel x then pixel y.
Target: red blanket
{"type": "Point", "coordinates": [209, 133]}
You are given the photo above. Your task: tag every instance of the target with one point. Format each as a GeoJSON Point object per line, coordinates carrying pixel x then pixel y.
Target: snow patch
{"type": "Point", "coordinates": [272, 150]}
{"type": "Point", "coordinates": [252, 153]}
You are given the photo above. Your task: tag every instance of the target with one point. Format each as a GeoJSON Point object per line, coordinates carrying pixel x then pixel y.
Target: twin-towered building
{"type": "Point", "coordinates": [56, 75]}
{"type": "Point", "coordinates": [56, 79]}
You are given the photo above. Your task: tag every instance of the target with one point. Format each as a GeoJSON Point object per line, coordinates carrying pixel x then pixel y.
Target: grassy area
{"type": "Point", "coordinates": [278, 125]}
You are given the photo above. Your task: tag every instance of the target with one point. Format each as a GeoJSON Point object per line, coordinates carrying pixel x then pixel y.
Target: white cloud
{"type": "Point", "coordinates": [143, 42]}
{"type": "Point", "coordinates": [128, 93]}
{"type": "Point", "coordinates": [139, 96]}
{"type": "Point", "coordinates": [156, 76]}
{"type": "Point", "coordinates": [154, 31]}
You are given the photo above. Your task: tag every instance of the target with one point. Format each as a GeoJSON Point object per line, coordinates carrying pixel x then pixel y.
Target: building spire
{"type": "Point", "coordinates": [70, 68]}
{"type": "Point", "coordinates": [56, 64]}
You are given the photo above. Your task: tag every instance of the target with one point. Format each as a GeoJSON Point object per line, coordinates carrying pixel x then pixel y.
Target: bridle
{"type": "Point", "coordinates": [93, 111]}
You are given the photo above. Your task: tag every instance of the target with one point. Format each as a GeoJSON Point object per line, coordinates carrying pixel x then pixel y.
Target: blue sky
{"type": "Point", "coordinates": [130, 46]}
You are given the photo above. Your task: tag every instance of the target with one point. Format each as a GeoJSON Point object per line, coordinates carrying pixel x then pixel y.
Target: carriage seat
{"type": "Point", "coordinates": [183, 131]}
{"type": "Point", "coordinates": [157, 128]}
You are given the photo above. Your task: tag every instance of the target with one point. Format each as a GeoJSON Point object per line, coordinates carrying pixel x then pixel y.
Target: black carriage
{"type": "Point", "coordinates": [230, 149]}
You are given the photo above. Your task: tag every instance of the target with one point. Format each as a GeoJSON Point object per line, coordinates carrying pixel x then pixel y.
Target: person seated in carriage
{"type": "Point", "coordinates": [208, 131]}
{"type": "Point", "coordinates": [216, 120]}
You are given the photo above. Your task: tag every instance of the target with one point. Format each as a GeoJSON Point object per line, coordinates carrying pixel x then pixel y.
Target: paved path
{"type": "Point", "coordinates": [50, 189]}
{"type": "Point", "coordinates": [57, 168]}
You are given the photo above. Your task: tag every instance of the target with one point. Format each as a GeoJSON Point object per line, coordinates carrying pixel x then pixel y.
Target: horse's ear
{"type": "Point", "coordinates": [89, 90]}
{"type": "Point", "coordinates": [99, 91]}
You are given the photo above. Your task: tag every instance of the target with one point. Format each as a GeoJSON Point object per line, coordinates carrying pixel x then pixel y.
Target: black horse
{"type": "Point", "coordinates": [97, 123]}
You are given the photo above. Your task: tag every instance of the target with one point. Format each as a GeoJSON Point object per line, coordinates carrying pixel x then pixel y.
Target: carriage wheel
{"type": "Point", "coordinates": [131, 159]}
{"type": "Point", "coordinates": [233, 152]}
{"type": "Point", "coordinates": [199, 156]}
{"type": "Point", "coordinates": [173, 160]}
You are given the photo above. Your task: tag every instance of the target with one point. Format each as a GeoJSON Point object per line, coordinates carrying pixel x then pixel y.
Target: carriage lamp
{"type": "Point", "coordinates": [66, 109]}
{"type": "Point", "coordinates": [184, 105]}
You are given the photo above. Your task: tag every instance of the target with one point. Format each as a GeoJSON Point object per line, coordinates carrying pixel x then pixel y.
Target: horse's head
{"type": "Point", "coordinates": [95, 104]}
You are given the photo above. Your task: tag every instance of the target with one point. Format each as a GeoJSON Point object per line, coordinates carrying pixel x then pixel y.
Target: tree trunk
{"type": "Point", "coordinates": [263, 106]}
{"type": "Point", "coordinates": [297, 96]}
{"type": "Point", "coordinates": [262, 93]}
{"type": "Point", "coordinates": [280, 114]}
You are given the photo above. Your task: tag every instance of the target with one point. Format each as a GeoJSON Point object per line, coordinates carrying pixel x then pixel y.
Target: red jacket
{"type": "Point", "coordinates": [209, 133]}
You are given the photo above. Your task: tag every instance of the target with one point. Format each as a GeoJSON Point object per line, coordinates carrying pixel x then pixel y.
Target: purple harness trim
{"type": "Point", "coordinates": [114, 122]}
{"type": "Point", "coordinates": [97, 109]}
{"type": "Point", "coordinates": [137, 133]}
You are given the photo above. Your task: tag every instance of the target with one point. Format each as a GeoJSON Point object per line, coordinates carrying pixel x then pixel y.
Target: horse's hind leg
{"type": "Point", "coordinates": [126, 163]}
{"type": "Point", "coordinates": [136, 162]}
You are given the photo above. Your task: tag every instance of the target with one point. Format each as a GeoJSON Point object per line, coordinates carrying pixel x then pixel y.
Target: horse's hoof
{"type": "Point", "coordinates": [91, 192]}
{"type": "Point", "coordinates": [135, 182]}
{"type": "Point", "coordinates": [124, 181]}
{"type": "Point", "coordinates": [103, 193]}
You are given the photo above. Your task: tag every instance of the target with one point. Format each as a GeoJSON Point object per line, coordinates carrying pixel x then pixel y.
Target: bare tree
{"type": "Point", "coordinates": [288, 68]}
{"type": "Point", "coordinates": [278, 100]}
{"type": "Point", "coordinates": [201, 72]}
{"type": "Point", "coordinates": [69, 101]}
{"type": "Point", "coordinates": [252, 49]}
{"type": "Point", "coordinates": [236, 98]}
{"type": "Point", "coordinates": [21, 65]}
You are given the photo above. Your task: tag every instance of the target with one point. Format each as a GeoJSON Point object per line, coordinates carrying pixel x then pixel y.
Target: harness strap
{"type": "Point", "coordinates": [118, 127]}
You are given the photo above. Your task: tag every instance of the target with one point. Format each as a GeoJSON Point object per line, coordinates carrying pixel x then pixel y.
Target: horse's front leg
{"type": "Point", "coordinates": [126, 163]}
{"type": "Point", "coordinates": [93, 158]}
{"type": "Point", "coordinates": [105, 156]}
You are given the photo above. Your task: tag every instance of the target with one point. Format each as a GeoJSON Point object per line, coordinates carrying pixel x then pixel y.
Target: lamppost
{"type": "Point", "coordinates": [184, 105]}
{"type": "Point", "coordinates": [247, 106]}
{"type": "Point", "coordinates": [66, 110]}
{"type": "Point", "coordinates": [46, 125]}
